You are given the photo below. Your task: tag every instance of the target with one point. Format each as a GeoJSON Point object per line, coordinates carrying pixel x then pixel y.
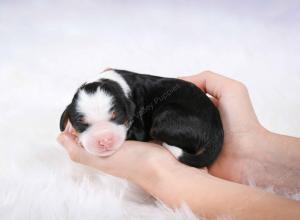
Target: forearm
{"type": "Point", "coordinates": [276, 161]}
{"type": "Point", "coordinates": [211, 197]}
{"type": "Point", "coordinates": [285, 150]}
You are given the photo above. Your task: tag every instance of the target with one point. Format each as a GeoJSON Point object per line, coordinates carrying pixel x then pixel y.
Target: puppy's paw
{"type": "Point", "coordinates": [176, 151]}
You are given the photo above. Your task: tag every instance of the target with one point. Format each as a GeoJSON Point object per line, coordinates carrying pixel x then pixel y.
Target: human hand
{"type": "Point", "coordinates": [134, 161]}
{"type": "Point", "coordinates": [242, 130]}
{"type": "Point", "coordinates": [155, 170]}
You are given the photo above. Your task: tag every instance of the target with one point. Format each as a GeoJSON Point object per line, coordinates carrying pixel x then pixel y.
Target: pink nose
{"type": "Point", "coordinates": [105, 142]}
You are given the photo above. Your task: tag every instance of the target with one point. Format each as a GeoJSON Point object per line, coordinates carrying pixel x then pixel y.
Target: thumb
{"type": "Point", "coordinates": [211, 83]}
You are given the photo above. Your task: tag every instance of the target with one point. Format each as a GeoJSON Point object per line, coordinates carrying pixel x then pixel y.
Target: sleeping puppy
{"type": "Point", "coordinates": [121, 105]}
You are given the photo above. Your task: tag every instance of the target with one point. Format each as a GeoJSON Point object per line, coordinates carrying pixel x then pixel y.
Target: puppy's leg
{"type": "Point", "coordinates": [176, 151]}
{"type": "Point", "coordinates": [200, 142]}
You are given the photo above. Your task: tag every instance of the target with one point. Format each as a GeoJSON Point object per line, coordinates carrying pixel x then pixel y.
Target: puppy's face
{"type": "Point", "coordinates": [101, 114]}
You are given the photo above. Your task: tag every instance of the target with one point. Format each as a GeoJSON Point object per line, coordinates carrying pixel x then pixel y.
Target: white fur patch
{"type": "Point", "coordinates": [96, 132]}
{"type": "Point", "coordinates": [114, 76]}
{"type": "Point", "coordinates": [95, 106]}
{"type": "Point", "coordinates": [176, 151]}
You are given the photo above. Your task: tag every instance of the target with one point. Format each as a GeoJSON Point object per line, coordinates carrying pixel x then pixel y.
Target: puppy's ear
{"type": "Point", "coordinates": [64, 119]}
{"type": "Point", "coordinates": [130, 108]}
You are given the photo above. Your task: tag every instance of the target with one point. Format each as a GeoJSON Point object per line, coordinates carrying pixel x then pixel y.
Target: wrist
{"type": "Point", "coordinates": [254, 145]}
{"type": "Point", "coordinates": [240, 155]}
{"type": "Point", "coordinates": [153, 172]}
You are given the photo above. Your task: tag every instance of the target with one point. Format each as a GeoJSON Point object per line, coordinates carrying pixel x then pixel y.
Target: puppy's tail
{"type": "Point", "coordinates": [209, 153]}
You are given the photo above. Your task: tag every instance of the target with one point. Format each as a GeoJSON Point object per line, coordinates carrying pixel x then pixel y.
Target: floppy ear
{"type": "Point", "coordinates": [64, 119]}
{"type": "Point", "coordinates": [130, 109]}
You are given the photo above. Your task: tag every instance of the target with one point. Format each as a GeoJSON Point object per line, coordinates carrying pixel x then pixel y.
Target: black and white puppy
{"type": "Point", "coordinates": [121, 105]}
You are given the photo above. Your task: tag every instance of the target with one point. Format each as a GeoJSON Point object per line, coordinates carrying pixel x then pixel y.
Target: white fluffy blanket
{"type": "Point", "coordinates": [49, 47]}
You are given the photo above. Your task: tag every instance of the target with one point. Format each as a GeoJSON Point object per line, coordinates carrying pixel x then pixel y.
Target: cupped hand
{"type": "Point", "coordinates": [242, 130]}
{"type": "Point", "coordinates": [133, 161]}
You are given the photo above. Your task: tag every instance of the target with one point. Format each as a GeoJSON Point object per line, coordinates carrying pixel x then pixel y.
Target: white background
{"type": "Point", "coordinates": [48, 48]}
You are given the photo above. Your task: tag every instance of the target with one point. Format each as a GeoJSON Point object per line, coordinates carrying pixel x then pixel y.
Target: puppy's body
{"type": "Point", "coordinates": [172, 111]}
{"type": "Point", "coordinates": [177, 113]}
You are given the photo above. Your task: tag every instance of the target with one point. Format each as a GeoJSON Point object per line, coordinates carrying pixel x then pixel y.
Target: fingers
{"type": "Point", "coordinates": [69, 128]}
{"type": "Point", "coordinates": [75, 151]}
{"type": "Point", "coordinates": [213, 100]}
{"type": "Point", "coordinates": [80, 155]}
{"type": "Point", "coordinates": [212, 83]}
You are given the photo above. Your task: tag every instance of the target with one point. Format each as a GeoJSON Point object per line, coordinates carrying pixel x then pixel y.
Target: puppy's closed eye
{"type": "Point", "coordinates": [81, 120]}
{"type": "Point", "coordinates": [118, 117]}
{"type": "Point", "coordinates": [113, 115]}
{"type": "Point", "coordinates": [126, 122]}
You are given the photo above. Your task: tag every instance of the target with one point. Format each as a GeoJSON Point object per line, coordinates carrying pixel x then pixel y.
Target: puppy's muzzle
{"type": "Point", "coordinates": [103, 138]}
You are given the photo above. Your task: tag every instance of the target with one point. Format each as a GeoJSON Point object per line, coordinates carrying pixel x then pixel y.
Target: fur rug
{"type": "Point", "coordinates": [49, 47]}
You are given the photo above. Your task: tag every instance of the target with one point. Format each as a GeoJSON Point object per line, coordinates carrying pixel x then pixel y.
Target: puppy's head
{"type": "Point", "coordinates": [100, 113]}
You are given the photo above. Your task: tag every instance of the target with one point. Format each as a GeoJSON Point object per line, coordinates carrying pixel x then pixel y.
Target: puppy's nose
{"type": "Point", "coordinates": [105, 142]}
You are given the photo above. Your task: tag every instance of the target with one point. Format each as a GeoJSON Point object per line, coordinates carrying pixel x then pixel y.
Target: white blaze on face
{"type": "Point", "coordinates": [95, 106]}
{"type": "Point", "coordinates": [103, 137]}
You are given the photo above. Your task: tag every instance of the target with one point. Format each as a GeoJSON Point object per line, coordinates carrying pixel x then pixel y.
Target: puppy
{"type": "Point", "coordinates": [121, 105]}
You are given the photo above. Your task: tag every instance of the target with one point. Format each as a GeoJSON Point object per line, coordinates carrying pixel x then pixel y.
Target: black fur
{"type": "Point", "coordinates": [164, 109]}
